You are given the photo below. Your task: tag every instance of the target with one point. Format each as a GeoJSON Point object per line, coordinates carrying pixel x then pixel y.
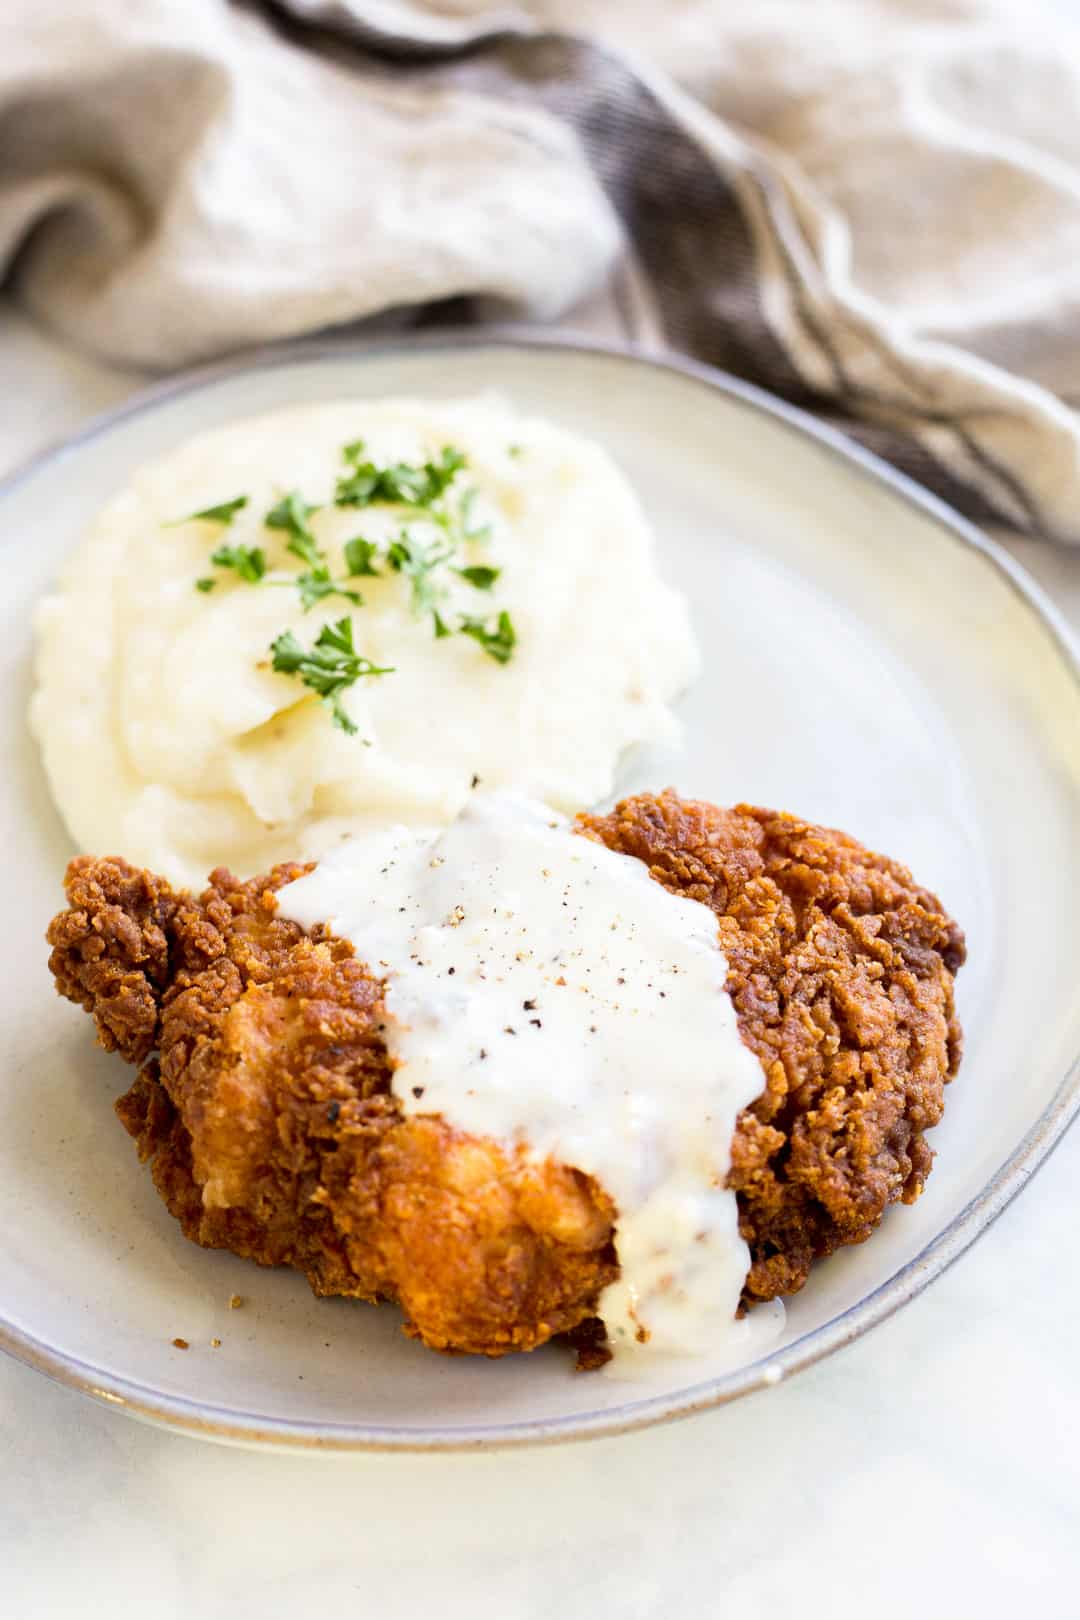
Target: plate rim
{"type": "Point", "coordinates": [230, 1425]}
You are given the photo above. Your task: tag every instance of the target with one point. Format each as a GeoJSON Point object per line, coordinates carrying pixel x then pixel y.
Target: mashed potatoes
{"type": "Point", "coordinates": [527, 638]}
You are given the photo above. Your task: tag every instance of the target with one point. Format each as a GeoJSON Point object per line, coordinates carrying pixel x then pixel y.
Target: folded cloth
{"type": "Point", "coordinates": [870, 207]}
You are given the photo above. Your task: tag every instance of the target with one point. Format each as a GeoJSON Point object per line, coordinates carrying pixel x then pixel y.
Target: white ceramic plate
{"type": "Point", "coordinates": [871, 663]}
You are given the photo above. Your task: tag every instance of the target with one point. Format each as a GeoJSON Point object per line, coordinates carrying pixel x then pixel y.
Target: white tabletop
{"type": "Point", "coordinates": [933, 1468]}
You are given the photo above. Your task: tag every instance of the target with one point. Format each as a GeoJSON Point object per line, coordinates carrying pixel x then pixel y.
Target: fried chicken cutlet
{"type": "Point", "coordinates": [265, 1099]}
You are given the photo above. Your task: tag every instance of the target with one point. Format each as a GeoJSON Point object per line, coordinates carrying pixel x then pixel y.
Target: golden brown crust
{"type": "Point", "coordinates": [841, 971]}
{"type": "Point", "coordinates": [110, 951]}
{"type": "Point", "coordinates": [271, 1127]}
{"type": "Point", "coordinates": [270, 1122]}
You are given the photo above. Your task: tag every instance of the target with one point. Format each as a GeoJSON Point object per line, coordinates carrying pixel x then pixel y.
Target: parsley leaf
{"type": "Point", "coordinates": [367, 483]}
{"type": "Point", "coordinates": [441, 474]}
{"type": "Point", "coordinates": [498, 643]}
{"type": "Point", "coordinates": [213, 514]}
{"type": "Point", "coordinates": [358, 556]}
{"type": "Point", "coordinates": [248, 561]}
{"type": "Point", "coordinates": [328, 668]}
{"type": "Point", "coordinates": [205, 585]}
{"type": "Point", "coordinates": [471, 530]}
{"type": "Point", "coordinates": [357, 488]}
{"type": "Point", "coordinates": [406, 555]}
{"type": "Point", "coordinates": [317, 584]}
{"type": "Point", "coordinates": [332, 664]}
{"type": "Point", "coordinates": [481, 577]}
{"type": "Point", "coordinates": [291, 515]}
{"type": "Point", "coordinates": [403, 484]}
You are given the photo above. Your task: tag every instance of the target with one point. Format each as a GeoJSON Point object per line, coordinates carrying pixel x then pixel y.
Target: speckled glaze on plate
{"type": "Point", "coordinates": [871, 661]}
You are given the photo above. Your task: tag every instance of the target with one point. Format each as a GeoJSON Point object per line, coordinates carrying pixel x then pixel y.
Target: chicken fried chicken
{"type": "Point", "coordinates": [264, 1100]}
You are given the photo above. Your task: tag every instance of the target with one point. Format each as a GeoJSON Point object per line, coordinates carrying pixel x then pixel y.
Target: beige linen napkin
{"type": "Point", "coordinates": [871, 207]}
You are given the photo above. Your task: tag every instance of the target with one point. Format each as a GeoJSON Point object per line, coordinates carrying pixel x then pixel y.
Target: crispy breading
{"type": "Point", "coordinates": [841, 972]}
{"type": "Point", "coordinates": [272, 1129]}
{"type": "Point", "coordinates": [266, 1108]}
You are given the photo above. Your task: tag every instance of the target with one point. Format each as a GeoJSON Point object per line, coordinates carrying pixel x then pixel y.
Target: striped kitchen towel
{"type": "Point", "coordinates": [870, 207]}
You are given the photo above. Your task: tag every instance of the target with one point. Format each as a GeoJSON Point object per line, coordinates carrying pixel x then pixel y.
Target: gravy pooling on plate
{"type": "Point", "coordinates": [338, 616]}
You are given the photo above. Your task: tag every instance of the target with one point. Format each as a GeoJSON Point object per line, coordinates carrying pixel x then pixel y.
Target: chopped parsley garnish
{"type": "Point", "coordinates": [214, 514]}
{"type": "Point", "coordinates": [291, 515]}
{"type": "Point", "coordinates": [515, 450]}
{"type": "Point", "coordinates": [366, 483]}
{"type": "Point", "coordinates": [409, 556]}
{"type": "Point", "coordinates": [498, 643]}
{"type": "Point", "coordinates": [358, 557]}
{"type": "Point", "coordinates": [483, 578]}
{"type": "Point", "coordinates": [316, 585]}
{"type": "Point", "coordinates": [248, 561]}
{"type": "Point", "coordinates": [403, 484]}
{"type": "Point", "coordinates": [328, 668]}
{"type": "Point", "coordinates": [471, 530]}
{"type": "Point", "coordinates": [441, 474]}
{"type": "Point", "coordinates": [425, 493]}
{"type": "Point", "coordinates": [427, 490]}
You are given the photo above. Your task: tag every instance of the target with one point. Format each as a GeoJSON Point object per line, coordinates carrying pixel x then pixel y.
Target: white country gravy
{"type": "Point", "coordinates": [547, 992]}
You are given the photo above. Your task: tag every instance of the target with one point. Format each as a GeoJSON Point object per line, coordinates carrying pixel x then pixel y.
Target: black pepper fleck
{"type": "Point", "coordinates": [418, 1091]}
{"type": "Point", "coordinates": [529, 1006]}
{"type": "Point", "coordinates": [332, 1113]}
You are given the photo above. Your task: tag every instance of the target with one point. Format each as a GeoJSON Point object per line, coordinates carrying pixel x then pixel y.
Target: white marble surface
{"type": "Point", "coordinates": [933, 1468]}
